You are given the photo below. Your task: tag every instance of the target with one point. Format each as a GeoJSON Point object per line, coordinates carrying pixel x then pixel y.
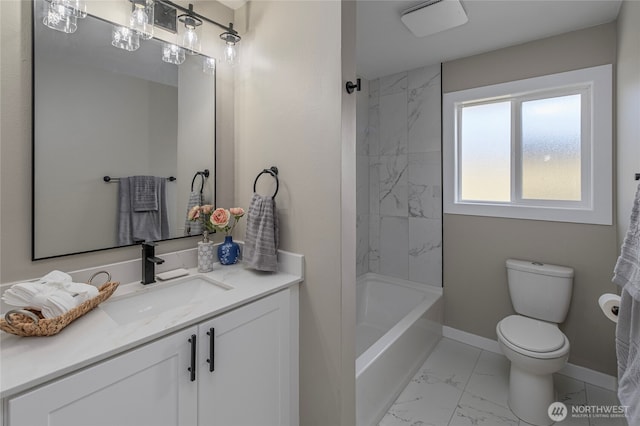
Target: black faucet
{"type": "Point", "coordinates": [149, 261]}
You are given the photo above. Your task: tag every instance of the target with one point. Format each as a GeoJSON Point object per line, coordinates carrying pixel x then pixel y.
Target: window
{"type": "Point", "coordinates": [539, 148]}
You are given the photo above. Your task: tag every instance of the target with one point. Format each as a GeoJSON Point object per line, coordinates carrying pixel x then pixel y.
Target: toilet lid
{"type": "Point", "coordinates": [530, 334]}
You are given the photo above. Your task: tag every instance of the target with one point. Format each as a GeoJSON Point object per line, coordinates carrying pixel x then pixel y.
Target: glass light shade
{"type": "Point", "coordinates": [78, 8]}
{"type": "Point", "coordinates": [230, 53]}
{"type": "Point", "coordinates": [125, 38]}
{"type": "Point", "coordinates": [60, 18]}
{"type": "Point", "coordinates": [190, 35]}
{"type": "Point", "coordinates": [173, 54]}
{"type": "Point", "coordinates": [208, 65]}
{"type": "Point", "coordinates": [141, 19]}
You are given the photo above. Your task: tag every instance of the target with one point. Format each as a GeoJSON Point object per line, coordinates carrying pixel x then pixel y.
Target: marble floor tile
{"type": "Point", "coordinates": [604, 398]}
{"type": "Point", "coordinates": [471, 387]}
{"type": "Point", "coordinates": [490, 379]}
{"type": "Point", "coordinates": [423, 405]}
{"type": "Point", "coordinates": [451, 362]}
{"type": "Point", "coordinates": [569, 391]}
{"type": "Point", "coordinates": [476, 410]}
{"type": "Point", "coordinates": [432, 395]}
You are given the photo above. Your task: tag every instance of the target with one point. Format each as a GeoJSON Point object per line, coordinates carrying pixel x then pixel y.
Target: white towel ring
{"type": "Point", "coordinates": [273, 171]}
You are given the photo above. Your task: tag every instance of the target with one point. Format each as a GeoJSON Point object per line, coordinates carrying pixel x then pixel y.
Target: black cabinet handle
{"type": "Point", "coordinates": [212, 343]}
{"type": "Point", "coordinates": [192, 369]}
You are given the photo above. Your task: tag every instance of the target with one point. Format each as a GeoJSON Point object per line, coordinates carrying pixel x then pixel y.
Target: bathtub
{"type": "Point", "coordinates": [398, 323]}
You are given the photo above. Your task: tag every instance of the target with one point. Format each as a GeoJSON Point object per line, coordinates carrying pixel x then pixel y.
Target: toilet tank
{"type": "Point", "coordinates": [539, 290]}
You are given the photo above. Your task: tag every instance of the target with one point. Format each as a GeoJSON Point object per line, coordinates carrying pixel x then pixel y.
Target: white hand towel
{"type": "Point", "coordinates": [53, 295]}
{"type": "Point", "coordinates": [56, 276]}
{"type": "Point", "coordinates": [22, 294]}
{"type": "Point", "coordinates": [58, 303]}
{"type": "Point", "coordinates": [66, 296]}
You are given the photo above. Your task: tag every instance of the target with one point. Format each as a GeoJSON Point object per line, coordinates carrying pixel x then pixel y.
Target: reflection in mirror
{"type": "Point", "coordinates": [101, 111]}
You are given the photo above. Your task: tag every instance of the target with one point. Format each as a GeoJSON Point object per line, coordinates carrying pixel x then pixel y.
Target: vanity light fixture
{"type": "Point", "coordinates": [208, 65]}
{"type": "Point", "coordinates": [173, 54]}
{"type": "Point", "coordinates": [230, 35]}
{"type": "Point", "coordinates": [141, 19]}
{"type": "Point", "coordinates": [190, 31]}
{"type": "Point", "coordinates": [78, 8]}
{"type": "Point", "coordinates": [125, 38]}
{"type": "Point", "coordinates": [231, 38]}
{"type": "Point", "coordinates": [62, 15]}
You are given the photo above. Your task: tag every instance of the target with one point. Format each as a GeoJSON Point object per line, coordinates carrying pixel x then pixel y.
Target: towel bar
{"type": "Point", "coordinates": [273, 171]}
{"type": "Point", "coordinates": [109, 179]}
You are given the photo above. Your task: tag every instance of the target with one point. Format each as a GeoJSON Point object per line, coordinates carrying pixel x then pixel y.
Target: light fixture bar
{"type": "Point", "coordinates": [197, 15]}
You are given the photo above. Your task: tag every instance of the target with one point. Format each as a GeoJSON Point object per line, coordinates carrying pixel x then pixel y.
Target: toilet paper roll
{"type": "Point", "coordinates": [607, 303]}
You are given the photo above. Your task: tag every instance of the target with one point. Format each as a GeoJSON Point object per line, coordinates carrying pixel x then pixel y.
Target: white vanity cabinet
{"type": "Point", "coordinates": [146, 386]}
{"type": "Point", "coordinates": [254, 350]}
{"type": "Point", "coordinates": [250, 381]}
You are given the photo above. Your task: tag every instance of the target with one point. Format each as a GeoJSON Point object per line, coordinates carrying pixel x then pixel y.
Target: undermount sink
{"type": "Point", "coordinates": [157, 298]}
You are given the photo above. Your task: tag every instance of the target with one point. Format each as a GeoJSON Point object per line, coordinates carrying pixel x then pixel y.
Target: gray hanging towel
{"type": "Point", "coordinates": [193, 227]}
{"type": "Point", "coordinates": [261, 239]}
{"type": "Point", "coordinates": [144, 196]}
{"type": "Point", "coordinates": [134, 226]}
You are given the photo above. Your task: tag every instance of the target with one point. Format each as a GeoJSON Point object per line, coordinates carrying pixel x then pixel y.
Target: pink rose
{"type": "Point", "coordinates": [220, 217]}
{"type": "Point", "coordinates": [207, 209]}
{"type": "Point", "coordinates": [237, 211]}
{"type": "Point", "coordinates": [194, 213]}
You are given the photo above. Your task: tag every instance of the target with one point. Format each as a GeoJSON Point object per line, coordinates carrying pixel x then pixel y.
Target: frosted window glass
{"type": "Point", "coordinates": [551, 149]}
{"type": "Point", "coordinates": [485, 152]}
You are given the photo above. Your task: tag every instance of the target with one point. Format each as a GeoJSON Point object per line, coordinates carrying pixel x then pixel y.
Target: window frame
{"type": "Point", "coordinates": [596, 89]}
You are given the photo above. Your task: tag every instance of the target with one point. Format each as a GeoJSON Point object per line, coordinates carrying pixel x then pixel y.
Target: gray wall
{"type": "Point", "coordinates": [290, 113]}
{"type": "Point", "coordinates": [475, 248]}
{"type": "Point", "coordinates": [399, 179]}
{"type": "Point", "coordinates": [15, 144]}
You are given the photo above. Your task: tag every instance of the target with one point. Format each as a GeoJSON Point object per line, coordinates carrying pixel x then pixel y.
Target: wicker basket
{"type": "Point", "coordinates": [23, 324]}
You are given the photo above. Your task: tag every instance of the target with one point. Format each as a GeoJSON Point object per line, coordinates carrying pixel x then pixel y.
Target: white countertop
{"type": "Point", "coordinates": [30, 361]}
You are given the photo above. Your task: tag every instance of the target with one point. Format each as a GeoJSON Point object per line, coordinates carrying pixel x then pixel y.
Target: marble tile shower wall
{"type": "Point", "coordinates": [399, 223]}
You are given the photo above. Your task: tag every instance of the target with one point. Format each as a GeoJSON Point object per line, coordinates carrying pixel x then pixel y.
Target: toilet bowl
{"type": "Point", "coordinates": [536, 350]}
{"type": "Point", "coordinates": [531, 340]}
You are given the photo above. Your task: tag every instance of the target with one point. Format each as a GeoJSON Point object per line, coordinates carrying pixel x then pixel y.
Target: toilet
{"type": "Point", "coordinates": [531, 340]}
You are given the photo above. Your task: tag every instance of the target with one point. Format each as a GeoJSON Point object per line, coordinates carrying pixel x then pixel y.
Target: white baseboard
{"type": "Point", "coordinates": [471, 339]}
{"type": "Point", "coordinates": [577, 372]}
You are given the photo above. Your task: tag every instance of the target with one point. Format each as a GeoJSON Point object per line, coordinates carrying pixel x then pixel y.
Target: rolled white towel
{"type": "Point", "coordinates": [58, 303]}
{"type": "Point", "coordinates": [64, 297]}
{"type": "Point", "coordinates": [55, 277]}
{"type": "Point", "coordinates": [52, 298]}
{"type": "Point", "coordinates": [22, 294]}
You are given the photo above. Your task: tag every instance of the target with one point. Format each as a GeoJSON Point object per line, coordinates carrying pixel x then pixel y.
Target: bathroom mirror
{"type": "Point", "coordinates": [103, 111]}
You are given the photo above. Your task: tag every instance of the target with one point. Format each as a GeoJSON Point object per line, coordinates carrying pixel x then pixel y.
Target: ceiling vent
{"type": "Point", "coordinates": [434, 16]}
